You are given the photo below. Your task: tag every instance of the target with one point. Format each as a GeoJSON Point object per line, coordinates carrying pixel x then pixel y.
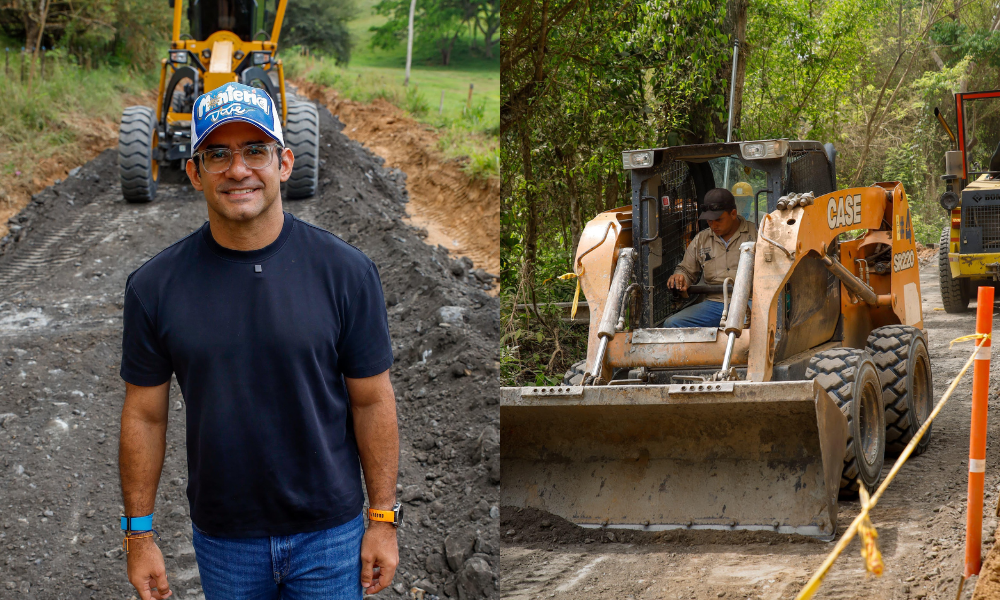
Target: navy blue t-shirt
{"type": "Point", "coordinates": [261, 342]}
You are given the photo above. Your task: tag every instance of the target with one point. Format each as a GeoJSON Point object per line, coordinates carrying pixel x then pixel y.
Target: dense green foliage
{"type": "Point", "coordinates": [582, 81]}
{"type": "Point", "coordinates": [437, 23]}
{"type": "Point", "coordinates": [320, 25]}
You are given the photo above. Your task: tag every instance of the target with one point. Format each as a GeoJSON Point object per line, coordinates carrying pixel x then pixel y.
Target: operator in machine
{"type": "Point", "coordinates": [713, 253]}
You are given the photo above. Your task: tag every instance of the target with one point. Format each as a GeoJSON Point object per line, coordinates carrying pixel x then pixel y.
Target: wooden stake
{"type": "Point", "coordinates": [441, 107]}
{"type": "Point", "coordinates": [468, 103]}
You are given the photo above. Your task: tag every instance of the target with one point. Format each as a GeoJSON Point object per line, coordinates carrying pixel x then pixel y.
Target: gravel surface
{"type": "Point", "coordinates": [62, 275]}
{"type": "Point", "coordinates": [920, 521]}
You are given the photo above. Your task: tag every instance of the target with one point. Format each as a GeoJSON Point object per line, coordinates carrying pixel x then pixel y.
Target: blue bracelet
{"type": "Point", "coordinates": [138, 523]}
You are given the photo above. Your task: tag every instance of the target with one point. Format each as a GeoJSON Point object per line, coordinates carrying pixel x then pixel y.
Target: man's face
{"type": "Point", "coordinates": [726, 224]}
{"type": "Point", "coordinates": [240, 193]}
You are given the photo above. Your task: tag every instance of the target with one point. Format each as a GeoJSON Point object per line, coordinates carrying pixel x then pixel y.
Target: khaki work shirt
{"type": "Point", "coordinates": [708, 255]}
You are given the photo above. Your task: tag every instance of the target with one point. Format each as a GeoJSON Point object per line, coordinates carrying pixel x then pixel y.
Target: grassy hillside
{"type": "Point", "coordinates": [466, 129]}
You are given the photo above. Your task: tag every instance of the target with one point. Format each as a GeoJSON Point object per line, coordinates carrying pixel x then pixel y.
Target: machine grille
{"type": "Point", "coordinates": [678, 225]}
{"type": "Point", "coordinates": [808, 171]}
{"type": "Point", "coordinates": [987, 218]}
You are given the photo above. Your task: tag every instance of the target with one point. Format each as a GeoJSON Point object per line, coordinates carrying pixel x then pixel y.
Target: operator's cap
{"type": "Point", "coordinates": [234, 102]}
{"type": "Point", "coordinates": [717, 201]}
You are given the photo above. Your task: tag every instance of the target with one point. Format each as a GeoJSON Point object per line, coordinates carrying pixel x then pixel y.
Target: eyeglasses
{"type": "Point", "coordinates": [255, 156]}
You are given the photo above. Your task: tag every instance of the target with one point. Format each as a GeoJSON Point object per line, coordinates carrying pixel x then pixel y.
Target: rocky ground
{"type": "Point", "coordinates": [920, 520]}
{"type": "Point", "coordinates": [62, 274]}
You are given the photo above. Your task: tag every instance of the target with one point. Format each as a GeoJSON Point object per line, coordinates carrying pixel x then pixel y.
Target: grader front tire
{"type": "Point", "coordinates": [137, 142]}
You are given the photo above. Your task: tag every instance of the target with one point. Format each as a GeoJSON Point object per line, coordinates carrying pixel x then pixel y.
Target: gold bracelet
{"type": "Point", "coordinates": [136, 536]}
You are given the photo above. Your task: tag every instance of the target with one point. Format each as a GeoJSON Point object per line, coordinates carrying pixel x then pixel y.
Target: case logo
{"type": "Point", "coordinates": [842, 211]}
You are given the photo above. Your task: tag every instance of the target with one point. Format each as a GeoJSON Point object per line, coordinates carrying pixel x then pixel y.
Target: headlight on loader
{"type": "Point", "coordinates": [179, 56]}
{"type": "Point", "coordinates": [261, 58]}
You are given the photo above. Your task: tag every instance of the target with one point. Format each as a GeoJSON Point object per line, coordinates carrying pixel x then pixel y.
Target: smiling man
{"type": "Point", "coordinates": [277, 333]}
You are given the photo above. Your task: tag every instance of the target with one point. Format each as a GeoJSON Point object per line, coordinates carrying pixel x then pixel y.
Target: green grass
{"type": "Point", "coordinates": [466, 131]}
{"type": "Point", "coordinates": [43, 122]}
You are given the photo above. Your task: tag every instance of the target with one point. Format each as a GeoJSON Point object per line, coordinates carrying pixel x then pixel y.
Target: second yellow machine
{"type": "Point", "coordinates": [228, 43]}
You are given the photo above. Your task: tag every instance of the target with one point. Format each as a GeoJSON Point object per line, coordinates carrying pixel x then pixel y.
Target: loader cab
{"type": "Point", "coordinates": [669, 187]}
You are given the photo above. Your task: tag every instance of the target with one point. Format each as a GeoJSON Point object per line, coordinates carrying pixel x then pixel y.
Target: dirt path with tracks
{"type": "Point", "coordinates": [920, 520]}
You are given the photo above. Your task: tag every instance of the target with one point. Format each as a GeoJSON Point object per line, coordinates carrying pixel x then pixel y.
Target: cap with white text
{"type": "Point", "coordinates": [234, 102]}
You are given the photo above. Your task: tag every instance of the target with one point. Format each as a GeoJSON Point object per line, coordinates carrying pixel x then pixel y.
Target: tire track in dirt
{"type": "Point", "coordinates": [460, 213]}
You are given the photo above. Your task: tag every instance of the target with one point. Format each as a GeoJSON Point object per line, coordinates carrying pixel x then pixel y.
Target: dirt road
{"type": "Point", "coordinates": [920, 520]}
{"type": "Point", "coordinates": [62, 278]}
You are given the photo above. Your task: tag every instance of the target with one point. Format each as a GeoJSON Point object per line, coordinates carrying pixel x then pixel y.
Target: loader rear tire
{"type": "Point", "coordinates": [851, 378]}
{"type": "Point", "coordinates": [904, 366]}
{"type": "Point", "coordinates": [954, 292]}
{"type": "Point", "coordinates": [137, 142]}
{"type": "Point", "coordinates": [302, 137]}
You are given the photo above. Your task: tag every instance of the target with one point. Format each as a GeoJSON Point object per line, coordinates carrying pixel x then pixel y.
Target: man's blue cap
{"type": "Point", "coordinates": [234, 102]}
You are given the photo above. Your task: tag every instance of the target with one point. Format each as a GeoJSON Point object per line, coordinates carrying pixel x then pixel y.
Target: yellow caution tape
{"type": "Point", "coordinates": [869, 540]}
{"type": "Point", "coordinates": [966, 338]}
{"type": "Point", "coordinates": [576, 294]}
{"type": "Point", "coordinates": [817, 579]}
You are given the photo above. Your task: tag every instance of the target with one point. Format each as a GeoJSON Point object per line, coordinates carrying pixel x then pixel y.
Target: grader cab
{"type": "Point", "coordinates": [228, 43]}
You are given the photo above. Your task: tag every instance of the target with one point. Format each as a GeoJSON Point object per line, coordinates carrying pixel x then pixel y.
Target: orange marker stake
{"type": "Point", "coordinates": [977, 435]}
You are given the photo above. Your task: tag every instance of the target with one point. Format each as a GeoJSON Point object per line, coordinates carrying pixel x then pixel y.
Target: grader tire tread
{"type": "Point", "coordinates": [302, 137]}
{"type": "Point", "coordinates": [135, 154]}
{"type": "Point", "coordinates": [890, 348]}
{"type": "Point", "coordinates": [954, 292]}
{"type": "Point", "coordinates": [835, 370]}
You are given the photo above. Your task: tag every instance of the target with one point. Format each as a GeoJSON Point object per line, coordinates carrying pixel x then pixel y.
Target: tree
{"type": "Point", "coordinates": [320, 25]}
{"type": "Point", "coordinates": [437, 23]}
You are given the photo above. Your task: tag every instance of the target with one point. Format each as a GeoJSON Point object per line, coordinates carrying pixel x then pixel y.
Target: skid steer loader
{"type": "Point", "coordinates": [224, 46]}
{"type": "Point", "coordinates": [763, 422]}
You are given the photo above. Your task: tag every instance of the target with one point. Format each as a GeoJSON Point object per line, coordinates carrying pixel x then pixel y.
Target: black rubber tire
{"type": "Point", "coordinates": [851, 378]}
{"type": "Point", "coordinates": [904, 367]}
{"type": "Point", "coordinates": [137, 139]}
{"type": "Point", "coordinates": [574, 376]}
{"type": "Point", "coordinates": [954, 292]}
{"type": "Point", "coordinates": [302, 137]}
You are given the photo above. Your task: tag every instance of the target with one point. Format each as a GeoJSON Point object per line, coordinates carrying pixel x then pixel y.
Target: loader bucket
{"type": "Point", "coordinates": [720, 455]}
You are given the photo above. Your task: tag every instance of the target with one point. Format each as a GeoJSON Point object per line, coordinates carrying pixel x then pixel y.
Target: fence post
{"type": "Point", "coordinates": [977, 435]}
{"type": "Point", "coordinates": [468, 103]}
{"type": "Point", "coordinates": [441, 106]}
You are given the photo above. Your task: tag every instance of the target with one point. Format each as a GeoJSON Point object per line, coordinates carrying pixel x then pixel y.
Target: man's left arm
{"type": "Point", "coordinates": [373, 408]}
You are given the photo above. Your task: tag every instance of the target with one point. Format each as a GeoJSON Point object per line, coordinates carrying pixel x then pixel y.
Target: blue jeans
{"type": "Point", "coordinates": [703, 314]}
{"type": "Point", "coordinates": [321, 564]}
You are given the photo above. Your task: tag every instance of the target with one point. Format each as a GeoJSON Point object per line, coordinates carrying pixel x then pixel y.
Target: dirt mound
{"type": "Point", "coordinates": [460, 213]}
{"type": "Point", "coordinates": [61, 283]}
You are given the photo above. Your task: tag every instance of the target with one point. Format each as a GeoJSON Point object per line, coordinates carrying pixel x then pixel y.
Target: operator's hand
{"type": "Point", "coordinates": [678, 282]}
{"type": "Point", "coordinates": [146, 571]}
{"type": "Point", "coordinates": [379, 557]}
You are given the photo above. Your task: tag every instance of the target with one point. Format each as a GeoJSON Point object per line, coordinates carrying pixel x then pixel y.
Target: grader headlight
{"type": "Point", "coordinates": [261, 58]}
{"type": "Point", "coordinates": [178, 57]}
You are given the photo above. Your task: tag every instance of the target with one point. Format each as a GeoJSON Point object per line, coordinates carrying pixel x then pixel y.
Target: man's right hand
{"type": "Point", "coordinates": [678, 281]}
{"type": "Point", "coordinates": [146, 571]}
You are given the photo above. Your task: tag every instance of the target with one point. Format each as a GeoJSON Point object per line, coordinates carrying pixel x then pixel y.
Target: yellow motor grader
{"type": "Point", "coordinates": [762, 423]}
{"type": "Point", "coordinates": [228, 43]}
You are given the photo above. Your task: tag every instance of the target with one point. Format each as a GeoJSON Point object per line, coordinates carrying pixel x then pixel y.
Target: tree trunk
{"type": "Point", "coordinates": [736, 24]}
{"type": "Point", "coordinates": [531, 233]}
{"type": "Point", "coordinates": [611, 191]}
